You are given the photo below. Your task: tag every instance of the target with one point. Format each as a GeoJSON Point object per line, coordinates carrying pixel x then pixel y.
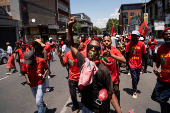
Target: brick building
{"type": "Point", "coordinates": [126, 11]}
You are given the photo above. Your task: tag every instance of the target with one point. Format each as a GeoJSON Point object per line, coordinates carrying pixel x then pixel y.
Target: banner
{"type": "Point", "coordinates": [143, 29]}
{"type": "Point", "coordinates": [113, 31]}
{"type": "Point", "coordinates": [159, 25]}
{"type": "Point", "coordinates": [34, 31]}
{"type": "Point", "coordinates": [146, 17]}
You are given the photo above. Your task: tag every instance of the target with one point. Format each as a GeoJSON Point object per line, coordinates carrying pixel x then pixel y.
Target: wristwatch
{"type": "Point", "coordinates": [155, 70]}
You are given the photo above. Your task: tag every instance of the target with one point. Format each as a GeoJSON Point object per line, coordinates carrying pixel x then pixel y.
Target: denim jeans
{"type": "Point", "coordinates": [86, 110]}
{"type": "Point", "coordinates": [52, 55]}
{"type": "Point", "coordinates": [151, 60]}
{"type": "Point", "coordinates": [161, 94]}
{"type": "Point", "coordinates": [135, 74]}
{"type": "Point", "coordinates": [38, 93]}
{"type": "Point", "coordinates": [48, 63]}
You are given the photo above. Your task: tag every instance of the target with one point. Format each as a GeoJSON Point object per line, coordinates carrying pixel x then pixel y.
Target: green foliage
{"type": "Point", "coordinates": [132, 17]}
{"type": "Point", "coordinates": [75, 26]}
{"type": "Point", "coordinates": [96, 29]}
{"type": "Point", "coordinates": [110, 24]}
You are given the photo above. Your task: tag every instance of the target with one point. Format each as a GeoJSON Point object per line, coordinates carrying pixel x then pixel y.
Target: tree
{"type": "Point", "coordinates": [75, 26]}
{"type": "Point", "coordinates": [110, 24]}
{"type": "Point", "coordinates": [96, 30]}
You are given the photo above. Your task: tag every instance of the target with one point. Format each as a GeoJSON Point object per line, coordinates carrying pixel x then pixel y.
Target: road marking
{"type": "Point", "coordinates": [64, 109]}
{"type": "Point", "coordinates": [4, 78]}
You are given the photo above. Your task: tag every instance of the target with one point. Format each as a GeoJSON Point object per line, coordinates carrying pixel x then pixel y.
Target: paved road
{"type": "Point", "coordinates": [16, 96]}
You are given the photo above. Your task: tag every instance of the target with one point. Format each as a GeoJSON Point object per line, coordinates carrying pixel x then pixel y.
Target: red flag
{"type": "Point", "coordinates": [143, 29]}
{"type": "Point", "coordinates": [113, 31]}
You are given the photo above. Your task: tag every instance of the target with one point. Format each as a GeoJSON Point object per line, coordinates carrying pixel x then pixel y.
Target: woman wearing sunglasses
{"type": "Point", "coordinates": [94, 76]}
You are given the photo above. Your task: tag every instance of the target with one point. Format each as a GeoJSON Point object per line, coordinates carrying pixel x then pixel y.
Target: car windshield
{"type": "Point", "coordinates": [160, 42]}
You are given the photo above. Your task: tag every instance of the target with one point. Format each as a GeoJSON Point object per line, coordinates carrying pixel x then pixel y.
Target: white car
{"type": "Point", "coordinates": [3, 57]}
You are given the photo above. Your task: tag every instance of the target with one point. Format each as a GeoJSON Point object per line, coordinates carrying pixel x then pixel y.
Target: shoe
{"type": "Point", "coordinates": [45, 108]}
{"type": "Point", "coordinates": [49, 77]}
{"type": "Point", "coordinates": [47, 89]}
{"type": "Point", "coordinates": [134, 95]}
{"type": "Point", "coordinates": [79, 94]}
{"type": "Point", "coordinates": [8, 73]}
{"type": "Point", "coordinates": [76, 111]}
{"type": "Point", "coordinates": [15, 71]}
{"type": "Point", "coordinates": [129, 73]}
{"type": "Point", "coordinates": [145, 71]}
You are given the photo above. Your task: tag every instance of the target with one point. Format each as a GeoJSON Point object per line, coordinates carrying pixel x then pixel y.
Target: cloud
{"type": "Point", "coordinates": [101, 23]}
{"type": "Point", "coordinates": [115, 14]}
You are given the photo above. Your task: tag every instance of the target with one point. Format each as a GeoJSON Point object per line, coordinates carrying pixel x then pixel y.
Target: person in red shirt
{"type": "Point", "coordinates": [110, 56]}
{"type": "Point", "coordinates": [60, 44]}
{"type": "Point", "coordinates": [152, 45]}
{"type": "Point", "coordinates": [21, 51]}
{"type": "Point", "coordinates": [135, 57]}
{"type": "Point", "coordinates": [35, 70]}
{"type": "Point", "coordinates": [74, 72]}
{"type": "Point", "coordinates": [161, 92]}
{"type": "Point", "coordinates": [51, 43]}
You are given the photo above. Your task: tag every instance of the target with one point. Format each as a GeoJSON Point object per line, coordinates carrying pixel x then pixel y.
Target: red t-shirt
{"type": "Point", "coordinates": [112, 64]}
{"type": "Point", "coordinates": [61, 44]}
{"type": "Point", "coordinates": [135, 54]}
{"type": "Point", "coordinates": [21, 55]}
{"type": "Point", "coordinates": [163, 56]}
{"type": "Point", "coordinates": [48, 49]}
{"type": "Point", "coordinates": [74, 70]}
{"type": "Point", "coordinates": [152, 44]}
{"type": "Point", "coordinates": [34, 70]}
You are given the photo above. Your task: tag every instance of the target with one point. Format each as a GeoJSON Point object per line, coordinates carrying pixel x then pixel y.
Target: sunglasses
{"type": "Point", "coordinates": [98, 48]}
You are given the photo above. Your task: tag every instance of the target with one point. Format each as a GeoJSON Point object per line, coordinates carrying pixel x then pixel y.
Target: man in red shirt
{"type": "Point", "coordinates": [51, 43]}
{"type": "Point", "coordinates": [109, 57]}
{"type": "Point", "coordinates": [135, 57]}
{"type": "Point", "coordinates": [161, 93]}
{"type": "Point", "coordinates": [35, 70]}
{"type": "Point", "coordinates": [74, 72]}
{"type": "Point", "coordinates": [152, 45]}
{"type": "Point", "coordinates": [21, 51]}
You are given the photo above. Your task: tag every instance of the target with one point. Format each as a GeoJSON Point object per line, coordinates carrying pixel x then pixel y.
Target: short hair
{"type": "Point", "coordinates": [16, 42]}
{"type": "Point", "coordinates": [106, 35]}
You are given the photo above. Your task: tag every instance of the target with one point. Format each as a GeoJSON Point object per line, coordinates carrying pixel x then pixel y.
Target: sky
{"type": "Point", "coordinates": [100, 10]}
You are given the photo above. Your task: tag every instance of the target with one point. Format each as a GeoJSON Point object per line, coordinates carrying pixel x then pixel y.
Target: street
{"type": "Point", "coordinates": [16, 96]}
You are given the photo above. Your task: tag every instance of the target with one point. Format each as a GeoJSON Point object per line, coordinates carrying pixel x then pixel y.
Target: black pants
{"type": "Point", "coordinates": [72, 88]}
{"type": "Point", "coordinates": [116, 91]}
{"type": "Point", "coordinates": [146, 64]}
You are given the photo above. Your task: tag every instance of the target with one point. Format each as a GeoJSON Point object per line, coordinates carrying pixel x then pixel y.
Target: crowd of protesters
{"type": "Point", "coordinates": [94, 66]}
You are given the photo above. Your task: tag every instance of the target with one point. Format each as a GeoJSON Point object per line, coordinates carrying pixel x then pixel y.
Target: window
{"type": "Point", "coordinates": [8, 7]}
{"type": "Point", "coordinates": [63, 7]}
{"type": "Point", "coordinates": [125, 15]}
{"type": "Point", "coordinates": [132, 13]}
{"type": "Point", "coordinates": [131, 7]}
{"type": "Point", "coordinates": [4, 8]}
{"type": "Point", "coordinates": [63, 18]}
{"type": "Point", "coordinates": [0, 51]}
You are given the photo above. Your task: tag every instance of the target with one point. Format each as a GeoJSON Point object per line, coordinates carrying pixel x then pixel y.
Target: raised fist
{"type": "Point", "coordinates": [72, 21]}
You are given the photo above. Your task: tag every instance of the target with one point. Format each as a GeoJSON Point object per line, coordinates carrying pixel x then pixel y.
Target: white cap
{"type": "Point", "coordinates": [141, 38]}
{"type": "Point", "coordinates": [117, 35]}
{"type": "Point", "coordinates": [50, 38]}
{"type": "Point", "coordinates": [136, 33]}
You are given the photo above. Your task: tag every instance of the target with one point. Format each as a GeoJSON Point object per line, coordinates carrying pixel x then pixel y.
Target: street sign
{"type": "Point", "coordinates": [146, 17]}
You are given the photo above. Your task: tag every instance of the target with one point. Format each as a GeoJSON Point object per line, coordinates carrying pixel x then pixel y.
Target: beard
{"type": "Point", "coordinates": [167, 40]}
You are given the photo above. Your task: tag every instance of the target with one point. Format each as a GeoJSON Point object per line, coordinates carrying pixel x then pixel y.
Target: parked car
{"type": "Point", "coordinates": [3, 57]}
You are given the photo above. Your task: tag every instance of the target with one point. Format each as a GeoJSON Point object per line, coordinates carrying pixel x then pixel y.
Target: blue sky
{"type": "Point", "coordinates": [99, 10]}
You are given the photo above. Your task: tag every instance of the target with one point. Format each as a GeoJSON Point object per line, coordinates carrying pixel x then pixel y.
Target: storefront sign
{"type": "Point", "coordinates": [34, 31]}
{"type": "Point", "coordinates": [53, 26]}
{"type": "Point", "coordinates": [159, 25]}
{"type": "Point", "coordinates": [146, 17]}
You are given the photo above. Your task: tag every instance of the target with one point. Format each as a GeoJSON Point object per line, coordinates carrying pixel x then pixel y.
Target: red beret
{"type": "Point", "coordinates": [165, 30]}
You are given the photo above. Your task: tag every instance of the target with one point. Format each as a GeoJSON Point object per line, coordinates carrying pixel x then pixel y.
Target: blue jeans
{"type": "Point", "coordinates": [135, 74]}
{"type": "Point", "coordinates": [48, 63]}
{"type": "Point", "coordinates": [161, 94]}
{"type": "Point", "coordinates": [151, 60]}
{"type": "Point", "coordinates": [52, 55]}
{"type": "Point", "coordinates": [86, 110]}
{"type": "Point", "coordinates": [38, 93]}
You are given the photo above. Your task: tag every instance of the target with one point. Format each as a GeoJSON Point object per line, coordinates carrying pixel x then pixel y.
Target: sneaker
{"type": "Point", "coordinates": [145, 71]}
{"type": "Point", "coordinates": [134, 95]}
{"type": "Point", "coordinates": [15, 71]}
{"type": "Point", "coordinates": [76, 111]}
{"type": "Point", "coordinates": [129, 73]}
{"type": "Point", "coordinates": [8, 73]}
{"type": "Point", "coordinates": [45, 108]}
{"type": "Point", "coordinates": [49, 77]}
{"type": "Point", "coordinates": [47, 89]}
{"type": "Point", "coordinates": [20, 74]}
{"type": "Point", "coordinates": [79, 94]}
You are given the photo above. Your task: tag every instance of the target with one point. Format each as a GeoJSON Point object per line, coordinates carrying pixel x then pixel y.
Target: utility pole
{"type": "Point", "coordinates": [145, 6]}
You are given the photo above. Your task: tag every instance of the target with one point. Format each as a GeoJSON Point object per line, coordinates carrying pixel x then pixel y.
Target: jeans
{"type": "Point", "coordinates": [52, 55]}
{"type": "Point", "coordinates": [135, 74]}
{"type": "Point", "coordinates": [86, 110]}
{"type": "Point", "coordinates": [72, 87]}
{"type": "Point", "coordinates": [161, 94]}
{"type": "Point", "coordinates": [38, 93]}
{"type": "Point", "coordinates": [48, 63]}
{"type": "Point", "coordinates": [21, 69]}
{"type": "Point", "coordinates": [151, 60]}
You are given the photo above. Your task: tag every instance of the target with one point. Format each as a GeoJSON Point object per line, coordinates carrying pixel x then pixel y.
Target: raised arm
{"type": "Point", "coordinates": [70, 35]}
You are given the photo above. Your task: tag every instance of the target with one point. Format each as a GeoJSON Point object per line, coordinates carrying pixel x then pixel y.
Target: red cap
{"type": "Point", "coordinates": [165, 30]}
{"type": "Point", "coordinates": [95, 38]}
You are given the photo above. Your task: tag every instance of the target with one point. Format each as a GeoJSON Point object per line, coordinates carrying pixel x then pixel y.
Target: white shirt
{"type": "Point", "coordinates": [65, 49]}
{"type": "Point", "coordinates": [114, 41]}
{"type": "Point", "coordinates": [9, 50]}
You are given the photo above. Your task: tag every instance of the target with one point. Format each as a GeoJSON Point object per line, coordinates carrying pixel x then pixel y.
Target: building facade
{"type": "Point", "coordinates": [85, 22]}
{"type": "Point", "coordinates": [126, 12]}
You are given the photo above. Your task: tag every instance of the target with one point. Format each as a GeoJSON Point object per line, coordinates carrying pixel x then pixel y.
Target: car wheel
{"type": "Point", "coordinates": [4, 60]}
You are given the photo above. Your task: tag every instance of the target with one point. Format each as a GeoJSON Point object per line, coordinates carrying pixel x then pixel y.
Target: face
{"type": "Point", "coordinates": [167, 36]}
{"type": "Point", "coordinates": [51, 40]}
{"type": "Point", "coordinates": [23, 46]}
{"type": "Point", "coordinates": [152, 38]}
{"type": "Point", "coordinates": [92, 52]}
{"type": "Point", "coordinates": [134, 37]}
{"type": "Point", "coordinates": [17, 45]}
{"type": "Point", "coordinates": [82, 38]}
{"type": "Point", "coordinates": [107, 42]}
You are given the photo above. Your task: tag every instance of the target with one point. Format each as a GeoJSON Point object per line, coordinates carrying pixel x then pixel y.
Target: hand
{"type": "Point", "coordinates": [142, 68]}
{"type": "Point", "coordinates": [43, 78]}
{"type": "Point", "coordinates": [158, 74]}
{"type": "Point", "coordinates": [106, 53]}
{"type": "Point", "coordinates": [59, 53]}
{"type": "Point", "coordinates": [127, 67]}
{"type": "Point", "coordinates": [72, 21]}
{"type": "Point", "coordinates": [28, 82]}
